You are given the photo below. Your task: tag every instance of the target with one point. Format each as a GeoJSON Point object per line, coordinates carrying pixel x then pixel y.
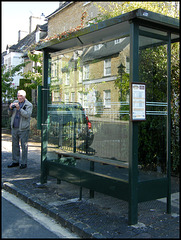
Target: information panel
{"type": "Point", "coordinates": [138, 102]}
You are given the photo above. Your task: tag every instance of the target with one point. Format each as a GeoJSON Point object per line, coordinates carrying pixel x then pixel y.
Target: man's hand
{"type": "Point", "coordinates": [15, 104]}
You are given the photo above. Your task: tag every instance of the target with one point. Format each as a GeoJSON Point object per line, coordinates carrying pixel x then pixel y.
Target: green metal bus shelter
{"type": "Point", "coordinates": [110, 83]}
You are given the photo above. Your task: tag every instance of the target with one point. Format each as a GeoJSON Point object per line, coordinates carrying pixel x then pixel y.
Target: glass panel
{"type": "Point", "coordinates": [153, 132]}
{"type": "Point", "coordinates": [89, 108]}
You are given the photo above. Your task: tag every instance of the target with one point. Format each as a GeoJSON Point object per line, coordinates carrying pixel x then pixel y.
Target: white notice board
{"type": "Point", "coordinates": [138, 102]}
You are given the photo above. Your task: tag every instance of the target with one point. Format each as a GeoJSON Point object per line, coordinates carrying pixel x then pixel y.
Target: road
{"type": "Point", "coordinates": [19, 220]}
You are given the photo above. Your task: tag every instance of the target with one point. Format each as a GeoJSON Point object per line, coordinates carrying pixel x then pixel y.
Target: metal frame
{"type": "Point", "coordinates": [133, 190]}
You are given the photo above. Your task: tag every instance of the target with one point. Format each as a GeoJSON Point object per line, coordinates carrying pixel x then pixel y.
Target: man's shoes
{"type": "Point", "coordinates": [13, 165]}
{"type": "Point", "coordinates": [23, 166]}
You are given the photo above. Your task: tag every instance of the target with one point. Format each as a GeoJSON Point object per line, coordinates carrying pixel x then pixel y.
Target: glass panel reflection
{"type": "Point", "coordinates": [89, 108]}
{"type": "Point", "coordinates": [153, 132]}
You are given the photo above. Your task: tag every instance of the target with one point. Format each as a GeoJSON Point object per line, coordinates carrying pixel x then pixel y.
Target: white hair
{"type": "Point", "coordinates": [22, 92]}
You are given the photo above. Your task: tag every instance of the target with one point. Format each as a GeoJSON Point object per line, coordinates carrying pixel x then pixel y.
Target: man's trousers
{"type": "Point", "coordinates": [19, 136]}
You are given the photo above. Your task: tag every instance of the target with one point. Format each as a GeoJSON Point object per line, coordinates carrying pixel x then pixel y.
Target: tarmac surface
{"type": "Point", "coordinates": [99, 217]}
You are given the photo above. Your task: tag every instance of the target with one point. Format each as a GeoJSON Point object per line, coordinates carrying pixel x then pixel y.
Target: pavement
{"type": "Point", "coordinates": [99, 217]}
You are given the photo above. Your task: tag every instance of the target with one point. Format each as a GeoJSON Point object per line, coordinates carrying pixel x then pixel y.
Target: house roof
{"type": "Point", "coordinates": [23, 45]}
{"type": "Point", "coordinates": [107, 49]}
{"type": "Point", "coordinates": [61, 7]}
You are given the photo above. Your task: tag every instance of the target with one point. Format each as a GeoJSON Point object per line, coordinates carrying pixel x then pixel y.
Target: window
{"type": "Point", "coordinates": [107, 67]}
{"type": "Point", "coordinates": [127, 65]}
{"type": "Point", "coordinates": [107, 99]}
{"type": "Point", "coordinates": [66, 96]}
{"type": "Point", "coordinates": [97, 47]}
{"type": "Point", "coordinates": [118, 40]}
{"type": "Point", "coordinates": [37, 36]}
{"type": "Point", "coordinates": [55, 96]}
{"type": "Point", "coordinates": [67, 78]}
{"type": "Point", "coordinates": [72, 97]}
{"type": "Point", "coordinates": [33, 67]}
{"type": "Point", "coordinates": [80, 97]}
{"type": "Point", "coordinates": [86, 71]}
{"type": "Point", "coordinates": [80, 76]}
{"type": "Point", "coordinates": [85, 101]}
{"type": "Point", "coordinates": [54, 69]}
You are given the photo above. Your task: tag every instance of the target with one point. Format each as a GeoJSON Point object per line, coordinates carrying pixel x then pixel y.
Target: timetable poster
{"type": "Point", "coordinates": [138, 102]}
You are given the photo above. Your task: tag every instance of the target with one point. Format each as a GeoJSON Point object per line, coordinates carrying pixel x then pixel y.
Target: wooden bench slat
{"type": "Point", "coordinates": [112, 162]}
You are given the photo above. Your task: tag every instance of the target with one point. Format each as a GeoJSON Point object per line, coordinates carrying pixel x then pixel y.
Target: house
{"type": "Point", "coordinates": [86, 75]}
{"type": "Point", "coordinates": [12, 59]}
{"type": "Point", "coordinates": [69, 14]}
{"type": "Point", "coordinates": [18, 53]}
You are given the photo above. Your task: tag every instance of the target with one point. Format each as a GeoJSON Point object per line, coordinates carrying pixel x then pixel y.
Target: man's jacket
{"type": "Point", "coordinates": [25, 115]}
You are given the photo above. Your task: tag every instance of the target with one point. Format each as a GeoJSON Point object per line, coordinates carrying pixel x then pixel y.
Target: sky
{"type": "Point", "coordinates": [15, 16]}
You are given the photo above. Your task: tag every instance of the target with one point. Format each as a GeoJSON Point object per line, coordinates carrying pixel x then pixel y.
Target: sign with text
{"type": "Point", "coordinates": [138, 102]}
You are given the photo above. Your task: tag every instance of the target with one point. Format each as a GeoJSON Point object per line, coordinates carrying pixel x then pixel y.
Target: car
{"type": "Point", "coordinates": [69, 124]}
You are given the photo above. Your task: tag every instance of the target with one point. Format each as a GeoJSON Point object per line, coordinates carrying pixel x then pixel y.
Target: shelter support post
{"type": "Point", "coordinates": [133, 132]}
{"type": "Point", "coordinates": [169, 123]}
{"type": "Point", "coordinates": [44, 130]}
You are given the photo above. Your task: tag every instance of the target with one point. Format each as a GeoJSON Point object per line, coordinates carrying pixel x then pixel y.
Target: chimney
{"type": "Point", "coordinates": [30, 23]}
{"type": "Point", "coordinates": [33, 21]}
{"type": "Point", "coordinates": [21, 34]}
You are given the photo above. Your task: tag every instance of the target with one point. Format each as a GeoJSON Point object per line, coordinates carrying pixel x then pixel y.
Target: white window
{"type": "Point", "coordinates": [86, 72]}
{"type": "Point", "coordinates": [54, 69]}
{"type": "Point", "coordinates": [107, 67]}
{"type": "Point", "coordinates": [97, 47]}
{"type": "Point", "coordinates": [80, 97]}
{"type": "Point", "coordinates": [66, 97]}
{"type": "Point", "coordinates": [37, 36]}
{"type": "Point", "coordinates": [127, 65]}
{"type": "Point", "coordinates": [107, 99]}
{"type": "Point", "coordinates": [85, 101]}
{"type": "Point", "coordinates": [33, 68]}
{"type": "Point", "coordinates": [118, 40]}
{"type": "Point", "coordinates": [72, 97]}
{"type": "Point", "coordinates": [67, 78]}
{"type": "Point", "coordinates": [55, 96]}
{"type": "Point", "coordinates": [80, 76]}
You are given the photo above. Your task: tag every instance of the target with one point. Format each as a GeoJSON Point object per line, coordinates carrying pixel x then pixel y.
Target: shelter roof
{"type": "Point", "coordinates": [114, 28]}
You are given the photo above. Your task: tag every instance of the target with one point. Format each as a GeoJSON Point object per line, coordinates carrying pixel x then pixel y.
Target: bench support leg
{"type": "Point", "coordinates": [80, 196]}
{"type": "Point", "coordinates": [91, 193]}
{"type": "Point", "coordinates": [58, 181]}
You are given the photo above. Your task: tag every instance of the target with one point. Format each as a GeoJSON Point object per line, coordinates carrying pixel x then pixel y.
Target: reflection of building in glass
{"type": "Point", "coordinates": [88, 76]}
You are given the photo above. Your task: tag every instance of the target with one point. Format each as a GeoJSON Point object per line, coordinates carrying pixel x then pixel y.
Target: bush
{"type": "Point", "coordinates": [33, 128]}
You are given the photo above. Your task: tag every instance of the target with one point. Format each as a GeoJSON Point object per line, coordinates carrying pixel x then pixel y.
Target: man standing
{"type": "Point", "coordinates": [20, 111]}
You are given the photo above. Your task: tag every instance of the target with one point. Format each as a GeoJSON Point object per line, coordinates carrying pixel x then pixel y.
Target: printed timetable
{"type": "Point", "coordinates": [138, 102]}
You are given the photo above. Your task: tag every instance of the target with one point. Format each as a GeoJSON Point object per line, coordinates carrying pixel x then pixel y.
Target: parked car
{"type": "Point", "coordinates": [70, 124]}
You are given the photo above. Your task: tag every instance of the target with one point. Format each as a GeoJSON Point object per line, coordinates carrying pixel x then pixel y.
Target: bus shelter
{"type": "Point", "coordinates": [104, 108]}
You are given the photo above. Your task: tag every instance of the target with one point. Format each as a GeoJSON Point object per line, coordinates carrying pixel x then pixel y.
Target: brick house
{"type": "Point", "coordinates": [87, 75]}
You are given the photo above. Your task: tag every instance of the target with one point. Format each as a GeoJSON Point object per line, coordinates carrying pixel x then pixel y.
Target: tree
{"type": "Point", "coordinates": [8, 90]}
{"type": "Point", "coordinates": [35, 75]}
{"type": "Point", "coordinates": [151, 151]}
{"type": "Point", "coordinates": [170, 9]}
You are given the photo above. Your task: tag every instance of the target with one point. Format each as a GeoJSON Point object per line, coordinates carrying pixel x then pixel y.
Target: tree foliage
{"type": "Point", "coordinates": [34, 75]}
{"type": "Point", "coordinates": [153, 66]}
{"type": "Point", "coordinates": [170, 9]}
{"type": "Point", "coordinates": [8, 89]}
